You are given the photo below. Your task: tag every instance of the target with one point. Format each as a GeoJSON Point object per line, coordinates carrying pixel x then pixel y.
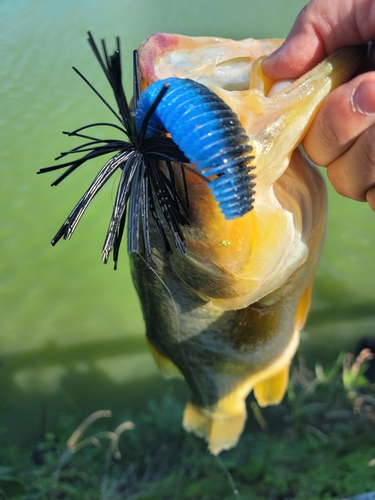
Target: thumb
{"type": "Point", "coordinates": [321, 28]}
{"type": "Point", "coordinates": [302, 50]}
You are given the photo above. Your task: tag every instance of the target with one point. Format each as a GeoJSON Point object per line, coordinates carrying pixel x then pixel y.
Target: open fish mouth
{"type": "Point", "coordinates": [225, 310]}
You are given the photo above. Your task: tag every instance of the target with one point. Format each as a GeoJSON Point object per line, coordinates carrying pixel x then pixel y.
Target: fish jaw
{"type": "Point", "coordinates": [228, 314]}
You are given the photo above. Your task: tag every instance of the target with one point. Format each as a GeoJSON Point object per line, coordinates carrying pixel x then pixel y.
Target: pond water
{"type": "Point", "coordinates": [71, 331]}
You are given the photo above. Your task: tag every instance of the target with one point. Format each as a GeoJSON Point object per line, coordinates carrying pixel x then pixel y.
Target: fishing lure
{"type": "Point", "coordinates": [205, 131]}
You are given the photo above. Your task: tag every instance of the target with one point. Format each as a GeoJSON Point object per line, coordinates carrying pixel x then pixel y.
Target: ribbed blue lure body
{"type": "Point", "coordinates": [209, 133]}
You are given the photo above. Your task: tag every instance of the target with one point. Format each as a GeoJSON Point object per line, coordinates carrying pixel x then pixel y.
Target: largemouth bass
{"type": "Point", "coordinates": [225, 308]}
{"type": "Point", "coordinates": [227, 315]}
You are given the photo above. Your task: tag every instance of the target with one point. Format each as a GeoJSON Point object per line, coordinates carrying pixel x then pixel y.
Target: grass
{"type": "Point", "coordinates": [318, 444]}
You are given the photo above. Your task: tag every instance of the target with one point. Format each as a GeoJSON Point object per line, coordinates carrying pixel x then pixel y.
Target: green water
{"type": "Point", "coordinates": [71, 332]}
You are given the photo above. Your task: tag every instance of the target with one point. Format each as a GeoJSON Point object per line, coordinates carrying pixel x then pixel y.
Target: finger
{"type": "Point", "coordinates": [321, 28]}
{"type": "Point", "coordinates": [345, 114]}
{"type": "Point", "coordinates": [353, 173]}
{"type": "Point", "coordinates": [302, 50]}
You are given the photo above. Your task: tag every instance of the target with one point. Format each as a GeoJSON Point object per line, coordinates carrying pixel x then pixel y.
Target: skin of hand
{"type": "Point", "coordinates": [342, 135]}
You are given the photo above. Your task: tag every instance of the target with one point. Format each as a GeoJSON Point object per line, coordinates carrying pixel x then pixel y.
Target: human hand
{"type": "Point", "coordinates": [342, 135]}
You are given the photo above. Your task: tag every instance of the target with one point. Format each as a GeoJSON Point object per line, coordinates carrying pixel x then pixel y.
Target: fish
{"type": "Point", "coordinates": [226, 315]}
{"type": "Point", "coordinates": [226, 215]}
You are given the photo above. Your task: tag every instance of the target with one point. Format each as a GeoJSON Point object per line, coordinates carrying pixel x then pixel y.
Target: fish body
{"type": "Point", "coordinates": [227, 314]}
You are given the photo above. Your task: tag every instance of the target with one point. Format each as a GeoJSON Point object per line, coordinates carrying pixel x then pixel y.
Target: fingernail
{"type": "Point", "coordinates": [363, 99]}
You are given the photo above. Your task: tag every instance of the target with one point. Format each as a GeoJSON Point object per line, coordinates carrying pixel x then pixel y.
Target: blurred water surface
{"type": "Point", "coordinates": [71, 331]}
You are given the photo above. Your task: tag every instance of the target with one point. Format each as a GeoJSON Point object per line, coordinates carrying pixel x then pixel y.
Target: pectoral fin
{"type": "Point", "coordinates": [304, 307]}
{"type": "Point", "coordinates": [272, 390]}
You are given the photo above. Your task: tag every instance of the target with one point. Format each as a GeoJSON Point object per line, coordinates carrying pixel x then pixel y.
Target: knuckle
{"type": "Point", "coordinates": [322, 142]}
{"type": "Point", "coordinates": [339, 182]}
{"type": "Point", "coordinates": [353, 173]}
{"type": "Point", "coordinates": [328, 135]}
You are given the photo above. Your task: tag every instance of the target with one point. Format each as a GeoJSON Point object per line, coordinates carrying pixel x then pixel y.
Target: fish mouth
{"type": "Point", "coordinates": [275, 114]}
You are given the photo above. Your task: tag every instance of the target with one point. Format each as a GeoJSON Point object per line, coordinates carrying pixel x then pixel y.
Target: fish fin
{"type": "Point", "coordinates": [165, 365]}
{"type": "Point", "coordinates": [272, 390]}
{"type": "Point", "coordinates": [196, 421]}
{"type": "Point", "coordinates": [222, 428]}
{"type": "Point", "coordinates": [270, 385]}
{"type": "Point", "coordinates": [303, 307]}
{"type": "Point", "coordinates": [225, 433]}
